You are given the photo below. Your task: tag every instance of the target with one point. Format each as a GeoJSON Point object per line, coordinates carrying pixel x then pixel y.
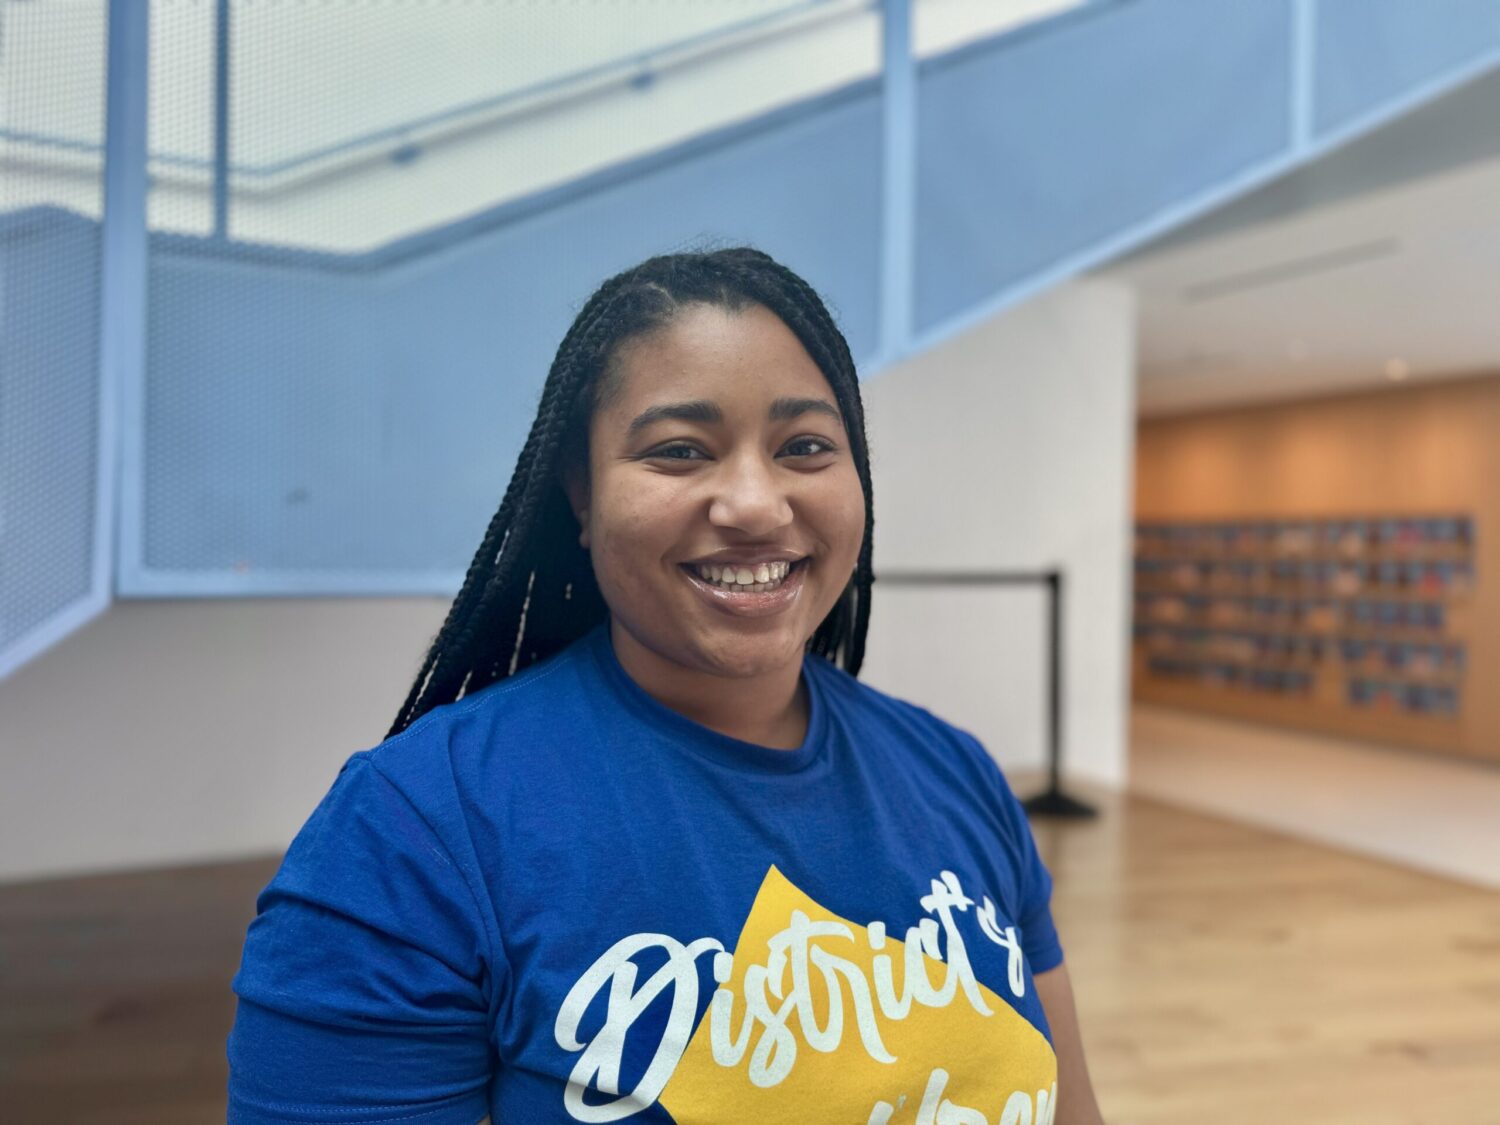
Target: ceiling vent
{"type": "Point", "coordinates": [1291, 269]}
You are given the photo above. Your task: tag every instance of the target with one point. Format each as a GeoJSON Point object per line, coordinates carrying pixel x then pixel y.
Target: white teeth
{"type": "Point", "coordinates": [763, 576]}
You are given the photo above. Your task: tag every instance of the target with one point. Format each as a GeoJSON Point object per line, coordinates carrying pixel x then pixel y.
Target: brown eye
{"type": "Point", "coordinates": [828, 446]}
{"type": "Point", "coordinates": [662, 452]}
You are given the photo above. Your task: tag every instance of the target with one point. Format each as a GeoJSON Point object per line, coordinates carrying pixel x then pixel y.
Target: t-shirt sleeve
{"type": "Point", "coordinates": [362, 989]}
{"type": "Point", "coordinates": [1039, 940]}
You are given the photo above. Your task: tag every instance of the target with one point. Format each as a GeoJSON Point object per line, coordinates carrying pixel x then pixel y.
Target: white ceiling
{"type": "Point", "coordinates": [1383, 256]}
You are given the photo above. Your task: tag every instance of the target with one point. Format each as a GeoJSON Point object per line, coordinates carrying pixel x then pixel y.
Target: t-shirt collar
{"type": "Point", "coordinates": [705, 741]}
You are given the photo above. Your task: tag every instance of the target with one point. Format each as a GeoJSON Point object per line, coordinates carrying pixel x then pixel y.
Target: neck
{"type": "Point", "coordinates": [769, 708]}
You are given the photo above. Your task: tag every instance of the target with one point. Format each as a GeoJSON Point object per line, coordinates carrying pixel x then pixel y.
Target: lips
{"type": "Point", "coordinates": [763, 604]}
{"type": "Point", "coordinates": [728, 569]}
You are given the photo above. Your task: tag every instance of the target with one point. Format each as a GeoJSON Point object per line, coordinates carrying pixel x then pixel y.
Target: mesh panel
{"type": "Point", "coordinates": [945, 25]}
{"type": "Point", "coordinates": [1022, 163]}
{"type": "Point", "coordinates": [1374, 52]}
{"type": "Point", "coordinates": [351, 125]}
{"type": "Point", "coordinates": [356, 288]}
{"type": "Point", "coordinates": [51, 201]}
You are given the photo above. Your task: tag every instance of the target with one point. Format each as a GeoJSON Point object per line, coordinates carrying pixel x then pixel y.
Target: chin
{"type": "Point", "coordinates": [753, 656]}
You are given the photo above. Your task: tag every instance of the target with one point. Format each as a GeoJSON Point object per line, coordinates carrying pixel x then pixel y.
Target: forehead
{"type": "Point", "coordinates": [708, 351]}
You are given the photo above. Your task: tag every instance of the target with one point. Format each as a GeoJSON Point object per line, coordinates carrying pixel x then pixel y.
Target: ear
{"type": "Point", "coordinates": [576, 485]}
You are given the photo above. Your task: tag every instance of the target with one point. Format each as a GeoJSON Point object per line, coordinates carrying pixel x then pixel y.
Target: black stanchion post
{"type": "Point", "coordinates": [1054, 802]}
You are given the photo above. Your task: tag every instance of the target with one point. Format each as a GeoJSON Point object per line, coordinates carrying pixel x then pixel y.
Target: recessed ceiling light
{"type": "Point", "coordinates": [1397, 369]}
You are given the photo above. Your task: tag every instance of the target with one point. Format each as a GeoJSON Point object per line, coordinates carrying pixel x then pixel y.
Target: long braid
{"type": "Point", "coordinates": [492, 572]}
{"type": "Point", "coordinates": [530, 590]}
{"type": "Point", "coordinates": [480, 576]}
{"type": "Point", "coordinates": [550, 424]}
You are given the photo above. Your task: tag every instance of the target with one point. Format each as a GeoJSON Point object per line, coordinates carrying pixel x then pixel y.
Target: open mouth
{"type": "Point", "coordinates": [735, 587]}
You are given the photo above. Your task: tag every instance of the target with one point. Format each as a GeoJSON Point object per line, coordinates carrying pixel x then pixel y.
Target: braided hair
{"type": "Point", "coordinates": [530, 590]}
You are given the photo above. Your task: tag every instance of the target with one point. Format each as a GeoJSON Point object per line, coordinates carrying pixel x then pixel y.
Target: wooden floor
{"type": "Point", "coordinates": [1224, 975]}
{"type": "Point", "coordinates": [1412, 807]}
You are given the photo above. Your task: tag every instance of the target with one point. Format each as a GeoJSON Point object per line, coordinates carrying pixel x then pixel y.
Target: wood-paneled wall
{"type": "Point", "coordinates": [1409, 449]}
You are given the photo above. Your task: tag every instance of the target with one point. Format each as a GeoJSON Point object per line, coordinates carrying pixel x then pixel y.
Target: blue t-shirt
{"type": "Point", "coordinates": [558, 900]}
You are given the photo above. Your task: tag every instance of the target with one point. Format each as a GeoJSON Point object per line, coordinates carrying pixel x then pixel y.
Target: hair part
{"type": "Point", "coordinates": [530, 590]}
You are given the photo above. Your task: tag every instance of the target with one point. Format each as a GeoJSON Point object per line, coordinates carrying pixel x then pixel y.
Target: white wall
{"type": "Point", "coordinates": [184, 731]}
{"type": "Point", "coordinates": [1011, 447]}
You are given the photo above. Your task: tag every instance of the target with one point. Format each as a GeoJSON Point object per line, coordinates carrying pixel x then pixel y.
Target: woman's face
{"type": "Point", "coordinates": [715, 444]}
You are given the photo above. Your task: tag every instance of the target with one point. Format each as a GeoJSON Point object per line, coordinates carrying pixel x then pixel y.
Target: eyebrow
{"type": "Point", "coordinates": [703, 410]}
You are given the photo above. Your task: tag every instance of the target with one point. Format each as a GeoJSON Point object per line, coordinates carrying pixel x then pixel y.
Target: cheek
{"type": "Point", "coordinates": [845, 509]}
{"type": "Point", "coordinates": [639, 524]}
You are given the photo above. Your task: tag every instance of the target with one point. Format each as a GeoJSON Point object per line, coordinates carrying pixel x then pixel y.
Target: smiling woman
{"type": "Point", "coordinates": [639, 844]}
{"type": "Point", "coordinates": [753, 473]}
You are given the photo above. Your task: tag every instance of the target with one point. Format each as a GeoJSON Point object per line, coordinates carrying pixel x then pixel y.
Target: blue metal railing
{"type": "Point", "coordinates": [636, 70]}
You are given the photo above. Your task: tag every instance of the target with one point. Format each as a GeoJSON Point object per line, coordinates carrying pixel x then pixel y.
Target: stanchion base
{"type": "Point", "coordinates": [1056, 803]}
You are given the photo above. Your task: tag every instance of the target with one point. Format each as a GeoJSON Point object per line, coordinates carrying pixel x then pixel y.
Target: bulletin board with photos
{"type": "Point", "coordinates": [1357, 616]}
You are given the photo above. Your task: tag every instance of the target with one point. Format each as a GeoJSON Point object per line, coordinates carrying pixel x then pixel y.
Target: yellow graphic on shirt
{"type": "Point", "coordinates": [817, 1014]}
{"type": "Point", "coordinates": [815, 1017]}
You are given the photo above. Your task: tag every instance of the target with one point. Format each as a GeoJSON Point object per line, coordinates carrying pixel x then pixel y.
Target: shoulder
{"type": "Point", "coordinates": [931, 753]}
{"type": "Point", "coordinates": [451, 738]}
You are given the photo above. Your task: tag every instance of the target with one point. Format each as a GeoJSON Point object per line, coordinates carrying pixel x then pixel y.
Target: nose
{"type": "Point", "coordinates": [751, 495]}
